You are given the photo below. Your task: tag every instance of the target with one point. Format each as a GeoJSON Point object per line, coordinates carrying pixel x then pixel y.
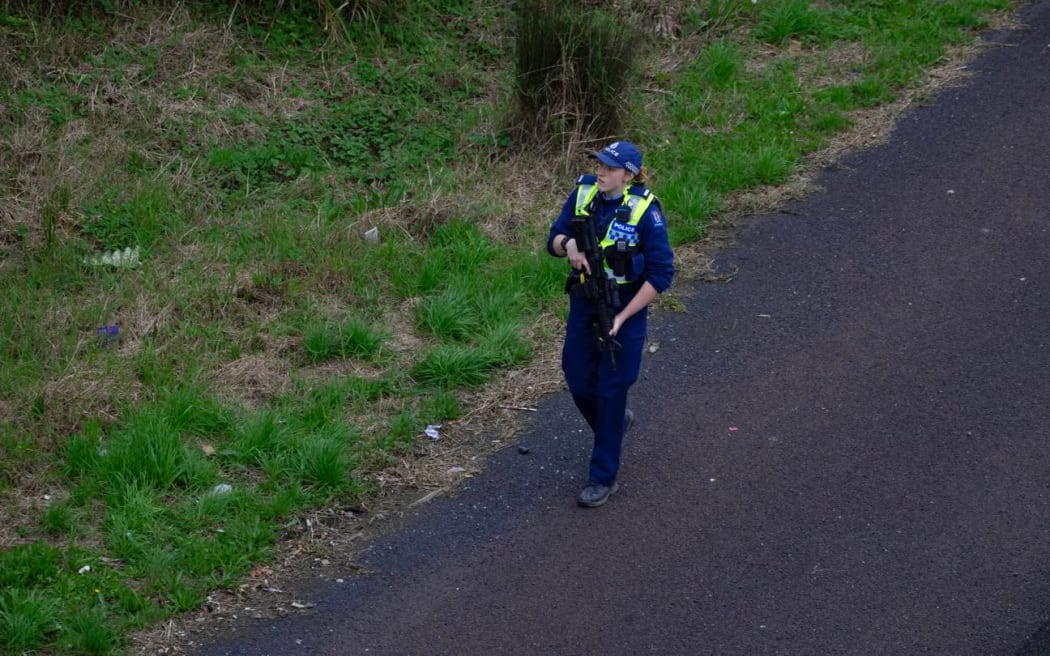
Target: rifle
{"type": "Point", "coordinates": [596, 286]}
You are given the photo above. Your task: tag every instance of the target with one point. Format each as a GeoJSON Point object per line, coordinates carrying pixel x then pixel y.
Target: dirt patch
{"type": "Point", "coordinates": [253, 379]}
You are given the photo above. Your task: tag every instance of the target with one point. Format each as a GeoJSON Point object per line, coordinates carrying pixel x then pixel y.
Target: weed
{"type": "Point", "coordinates": [451, 366]}
{"type": "Point", "coordinates": [449, 315]}
{"type": "Point", "coordinates": [350, 339]}
{"type": "Point", "coordinates": [505, 346]}
{"type": "Point", "coordinates": [89, 632]}
{"type": "Point", "coordinates": [58, 519]}
{"type": "Point", "coordinates": [32, 565]}
{"type": "Point", "coordinates": [441, 406]}
{"type": "Point", "coordinates": [142, 219]}
{"type": "Point", "coordinates": [325, 462]}
{"type": "Point", "coordinates": [27, 618]}
{"type": "Point", "coordinates": [402, 431]}
{"type": "Point", "coordinates": [150, 452]}
{"type": "Point", "coordinates": [721, 63]}
{"type": "Point", "coordinates": [361, 392]}
{"type": "Point", "coordinates": [19, 452]}
{"type": "Point", "coordinates": [868, 92]}
{"type": "Point", "coordinates": [695, 204]}
{"type": "Point", "coordinates": [182, 594]}
{"type": "Point", "coordinates": [712, 15]}
{"type": "Point", "coordinates": [60, 105]}
{"type": "Point", "coordinates": [321, 406]}
{"type": "Point", "coordinates": [258, 438]}
{"type": "Point", "coordinates": [790, 18]}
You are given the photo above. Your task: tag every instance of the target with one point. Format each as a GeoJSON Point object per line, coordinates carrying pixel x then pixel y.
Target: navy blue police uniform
{"type": "Point", "coordinates": [599, 381]}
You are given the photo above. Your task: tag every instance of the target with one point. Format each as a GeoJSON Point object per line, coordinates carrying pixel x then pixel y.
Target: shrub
{"type": "Point", "coordinates": [573, 69]}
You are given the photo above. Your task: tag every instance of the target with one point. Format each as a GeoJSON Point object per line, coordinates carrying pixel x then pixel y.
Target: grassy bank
{"type": "Point", "coordinates": [248, 258]}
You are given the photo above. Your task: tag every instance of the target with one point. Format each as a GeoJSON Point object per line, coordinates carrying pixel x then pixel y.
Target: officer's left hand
{"type": "Point", "coordinates": [617, 322]}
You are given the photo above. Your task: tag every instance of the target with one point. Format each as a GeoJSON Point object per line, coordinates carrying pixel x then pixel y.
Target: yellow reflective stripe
{"type": "Point", "coordinates": [640, 207]}
{"type": "Point", "coordinates": [585, 193]}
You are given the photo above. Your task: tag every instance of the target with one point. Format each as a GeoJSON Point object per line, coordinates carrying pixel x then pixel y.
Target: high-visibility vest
{"type": "Point", "coordinates": [636, 197]}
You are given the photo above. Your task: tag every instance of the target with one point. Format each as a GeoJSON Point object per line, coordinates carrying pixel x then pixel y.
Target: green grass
{"type": "Point", "coordinates": [271, 360]}
{"type": "Point", "coordinates": [348, 339]}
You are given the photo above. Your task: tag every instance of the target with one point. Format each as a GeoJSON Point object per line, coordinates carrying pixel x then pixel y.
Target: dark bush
{"type": "Point", "coordinates": [574, 66]}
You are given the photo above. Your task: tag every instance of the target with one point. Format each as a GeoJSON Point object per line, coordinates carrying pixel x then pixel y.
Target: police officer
{"type": "Point", "coordinates": [632, 235]}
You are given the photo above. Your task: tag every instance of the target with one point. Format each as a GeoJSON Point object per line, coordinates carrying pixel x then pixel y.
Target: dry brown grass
{"type": "Point", "coordinates": [194, 81]}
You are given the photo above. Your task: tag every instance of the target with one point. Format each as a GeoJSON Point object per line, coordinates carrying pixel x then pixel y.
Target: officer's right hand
{"type": "Point", "coordinates": [577, 259]}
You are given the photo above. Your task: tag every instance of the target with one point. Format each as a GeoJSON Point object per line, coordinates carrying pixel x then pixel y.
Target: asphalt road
{"type": "Point", "coordinates": [845, 450]}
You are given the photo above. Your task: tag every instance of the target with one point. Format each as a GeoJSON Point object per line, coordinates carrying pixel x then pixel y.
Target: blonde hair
{"type": "Point", "coordinates": [642, 177]}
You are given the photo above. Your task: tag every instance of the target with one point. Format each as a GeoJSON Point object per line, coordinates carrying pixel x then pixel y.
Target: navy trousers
{"type": "Point", "coordinates": [598, 385]}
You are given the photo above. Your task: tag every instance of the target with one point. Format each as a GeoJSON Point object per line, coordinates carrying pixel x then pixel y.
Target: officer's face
{"type": "Point", "coordinates": [612, 180]}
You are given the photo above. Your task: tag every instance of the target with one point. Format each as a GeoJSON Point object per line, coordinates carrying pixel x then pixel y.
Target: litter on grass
{"type": "Point", "coordinates": [108, 335]}
{"type": "Point", "coordinates": [124, 259]}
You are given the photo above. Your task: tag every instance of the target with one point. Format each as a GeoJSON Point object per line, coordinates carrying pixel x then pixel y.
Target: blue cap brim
{"type": "Point", "coordinates": [607, 160]}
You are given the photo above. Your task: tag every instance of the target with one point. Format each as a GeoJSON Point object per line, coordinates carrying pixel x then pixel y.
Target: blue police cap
{"type": "Point", "coordinates": [620, 155]}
